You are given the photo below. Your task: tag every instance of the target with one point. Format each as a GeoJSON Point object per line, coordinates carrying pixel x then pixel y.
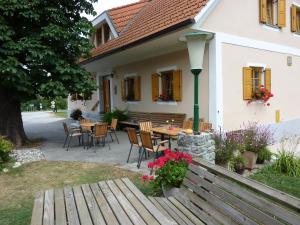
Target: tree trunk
{"type": "Point", "coordinates": [11, 123]}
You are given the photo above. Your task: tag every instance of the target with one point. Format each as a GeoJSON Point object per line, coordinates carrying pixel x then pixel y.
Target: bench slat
{"type": "Point", "coordinates": [117, 209]}
{"type": "Point", "coordinates": [71, 209]}
{"type": "Point", "coordinates": [259, 202]}
{"type": "Point", "coordinates": [48, 218]}
{"type": "Point", "coordinates": [107, 212]}
{"type": "Point", "coordinates": [37, 212]}
{"type": "Point", "coordinates": [82, 208]}
{"type": "Point", "coordinates": [161, 209]}
{"type": "Point", "coordinates": [60, 208]}
{"type": "Point", "coordinates": [149, 219]}
{"type": "Point", "coordinates": [152, 209]}
{"type": "Point", "coordinates": [129, 209]}
{"type": "Point", "coordinates": [92, 205]}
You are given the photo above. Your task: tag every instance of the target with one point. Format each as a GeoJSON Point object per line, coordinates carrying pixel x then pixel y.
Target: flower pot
{"type": "Point", "coordinates": [239, 168]}
{"type": "Point", "coordinates": [251, 158]}
{"type": "Point", "coordinates": [170, 191]}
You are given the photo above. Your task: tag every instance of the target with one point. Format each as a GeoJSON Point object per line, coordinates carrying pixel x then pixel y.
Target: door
{"type": "Point", "coordinates": [106, 95]}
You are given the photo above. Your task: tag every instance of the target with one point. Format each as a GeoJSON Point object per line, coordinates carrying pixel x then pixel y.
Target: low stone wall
{"type": "Point", "coordinates": [198, 146]}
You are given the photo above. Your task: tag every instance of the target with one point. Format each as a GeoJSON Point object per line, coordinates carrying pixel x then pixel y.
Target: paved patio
{"type": "Point", "coordinates": [48, 127]}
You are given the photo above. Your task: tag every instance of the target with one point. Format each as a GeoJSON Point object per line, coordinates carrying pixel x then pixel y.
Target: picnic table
{"type": "Point", "coordinates": [107, 202]}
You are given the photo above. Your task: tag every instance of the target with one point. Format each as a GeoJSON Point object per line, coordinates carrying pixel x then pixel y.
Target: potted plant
{"type": "Point", "coordinates": [261, 94]}
{"type": "Point", "coordinates": [237, 164]}
{"type": "Point", "coordinates": [225, 144]}
{"type": "Point", "coordinates": [264, 155]}
{"type": "Point", "coordinates": [169, 171]}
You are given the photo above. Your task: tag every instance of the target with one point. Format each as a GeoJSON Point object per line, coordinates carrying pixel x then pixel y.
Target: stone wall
{"type": "Point", "coordinates": [198, 146]}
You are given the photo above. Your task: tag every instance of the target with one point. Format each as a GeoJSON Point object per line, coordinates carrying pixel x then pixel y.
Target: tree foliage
{"type": "Point", "coordinates": [41, 42]}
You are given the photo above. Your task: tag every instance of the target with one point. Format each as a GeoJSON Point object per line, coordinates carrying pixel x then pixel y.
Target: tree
{"type": "Point", "coordinates": [41, 42]}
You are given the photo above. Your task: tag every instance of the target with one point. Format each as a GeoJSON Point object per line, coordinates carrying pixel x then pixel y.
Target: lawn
{"type": "Point", "coordinates": [279, 181]}
{"type": "Point", "coordinates": [19, 185]}
{"type": "Point", "coordinates": [62, 114]}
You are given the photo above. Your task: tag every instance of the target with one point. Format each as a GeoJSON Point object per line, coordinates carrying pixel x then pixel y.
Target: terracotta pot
{"type": "Point", "coordinates": [251, 158]}
{"type": "Point", "coordinates": [170, 191]}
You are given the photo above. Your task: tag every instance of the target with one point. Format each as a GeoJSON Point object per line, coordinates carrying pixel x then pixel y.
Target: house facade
{"type": "Point", "coordinates": [141, 63]}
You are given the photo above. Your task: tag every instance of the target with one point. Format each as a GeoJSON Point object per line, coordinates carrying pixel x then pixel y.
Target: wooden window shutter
{"type": "Point", "coordinates": [268, 79]}
{"type": "Point", "coordinates": [137, 88]}
{"type": "Point", "coordinates": [247, 83]}
{"type": "Point", "coordinates": [123, 90]}
{"type": "Point", "coordinates": [263, 11]}
{"type": "Point", "coordinates": [294, 18]}
{"type": "Point", "coordinates": [177, 85]}
{"type": "Point", "coordinates": [281, 13]}
{"type": "Point", "coordinates": [155, 87]}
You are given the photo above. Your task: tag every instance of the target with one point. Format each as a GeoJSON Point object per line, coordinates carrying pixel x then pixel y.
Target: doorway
{"type": "Point", "coordinates": [106, 94]}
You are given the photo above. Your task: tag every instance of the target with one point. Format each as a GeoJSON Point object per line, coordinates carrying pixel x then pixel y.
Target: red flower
{"type": "Point", "coordinates": [145, 177]}
{"type": "Point", "coordinates": [151, 177]}
{"type": "Point", "coordinates": [150, 164]}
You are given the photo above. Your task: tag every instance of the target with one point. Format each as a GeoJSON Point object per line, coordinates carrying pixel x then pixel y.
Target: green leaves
{"type": "Point", "coordinates": [40, 45]}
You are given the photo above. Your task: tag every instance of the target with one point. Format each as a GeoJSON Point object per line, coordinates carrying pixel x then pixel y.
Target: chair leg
{"type": "Point", "coordinates": [129, 153]}
{"type": "Point", "coordinates": [66, 141]}
{"type": "Point", "coordinates": [140, 158]}
{"type": "Point", "coordinates": [69, 143]}
{"type": "Point", "coordinates": [116, 137]}
{"type": "Point", "coordinates": [107, 144]}
{"type": "Point", "coordinates": [112, 140]}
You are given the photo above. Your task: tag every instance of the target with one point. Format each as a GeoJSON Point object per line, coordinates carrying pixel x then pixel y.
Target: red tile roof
{"type": "Point", "coordinates": [152, 17]}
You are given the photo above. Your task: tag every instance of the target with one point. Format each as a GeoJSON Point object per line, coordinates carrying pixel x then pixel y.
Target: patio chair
{"type": "Point", "coordinates": [147, 126]}
{"type": "Point", "coordinates": [134, 141]}
{"type": "Point", "coordinates": [205, 127]}
{"type": "Point", "coordinates": [100, 134]}
{"type": "Point", "coordinates": [70, 133]}
{"type": "Point", "coordinates": [113, 129]}
{"type": "Point", "coordinates": [188, 124]}
{"type": "Point", "coordinates": [148, 146]}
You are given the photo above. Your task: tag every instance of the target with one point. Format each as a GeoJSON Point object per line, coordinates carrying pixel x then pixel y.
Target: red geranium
{"type": "Point", "coordinates": [261, 94]}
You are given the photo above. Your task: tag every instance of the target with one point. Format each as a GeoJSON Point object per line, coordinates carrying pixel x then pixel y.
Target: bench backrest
{"type": "Point", "coordinates": [241, 199]}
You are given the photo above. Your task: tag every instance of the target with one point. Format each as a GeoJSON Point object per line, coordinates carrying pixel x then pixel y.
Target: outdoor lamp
{"type": "Point", "coordinates": [196, 46]}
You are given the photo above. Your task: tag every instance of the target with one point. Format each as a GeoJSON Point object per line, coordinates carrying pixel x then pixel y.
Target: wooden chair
{"type": "Point", "coordinates": [134, 141]}
{"type": "Point", "coordinates": [100, 134]}
{"type": "Point", "coordinates": [205, 127]}
{"type": "Point", "coordinates": [113, 129]}
{"type": "Point", "coordinates": [188, 124]}
{"type": "Point", "coordinates": [147, 145]}
{"type": "Point", "coordinates": [147, 126]}
{"type": "Point", "coordinates": [70, 133]}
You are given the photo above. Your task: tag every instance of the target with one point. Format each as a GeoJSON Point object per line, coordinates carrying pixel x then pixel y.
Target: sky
{"type": "Point", "coordinates": [103, 5]}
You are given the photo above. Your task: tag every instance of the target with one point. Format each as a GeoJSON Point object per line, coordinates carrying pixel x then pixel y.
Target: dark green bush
{"type": "Point", "coordinates": [287, 163]}
{"type": "Point", "coordinates": [76, 114]}
{"type": "Point", "coordinates": [237, 164]}
{"type": "Point", "coordinates": [116, 114]}
{"type": "Point", "coordinates": [264, 155]}
{"type": "Point", "coordinates": [5, 149]}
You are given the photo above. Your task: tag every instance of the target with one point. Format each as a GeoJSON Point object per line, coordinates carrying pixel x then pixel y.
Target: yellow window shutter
{"type": "Point", "coordinates": [281, 13]}
{"type": "Point", "coordinates": [155, 87]}
{"type": "Point", "coordinates": [294, 18]}
{"type": "Point", "coordinates": [177, 85]}
{"type": "Point", "coordinates": [123, 90]}
{"type": "Point", "coordinates": [263, 11]}
{"type": "Point", "coordinates": [247, 83]}
{"type": "Point", "coordinates": [268, 79]}
{"type": "Point", "coordinates": [137, 88]}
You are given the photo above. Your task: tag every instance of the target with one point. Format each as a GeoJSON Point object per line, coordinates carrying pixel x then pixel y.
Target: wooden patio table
{"type": "Point", "coordinates": [169, 131]}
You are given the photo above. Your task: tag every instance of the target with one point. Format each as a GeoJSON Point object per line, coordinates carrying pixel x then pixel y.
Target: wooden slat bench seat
{"type": "Point", "coordinates": [107, 202]}
{"type": "Point", "coordinates": [213, 195]}
{"type": "Point", "coordinates": [157, 119]}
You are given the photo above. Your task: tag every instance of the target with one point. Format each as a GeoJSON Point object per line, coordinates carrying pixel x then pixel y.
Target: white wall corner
{"type": "Point", "coordinates": [215, 83]}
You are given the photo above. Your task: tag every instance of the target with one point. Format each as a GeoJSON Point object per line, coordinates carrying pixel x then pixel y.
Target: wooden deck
{"type": "Point", "coordinates": [107, 202]}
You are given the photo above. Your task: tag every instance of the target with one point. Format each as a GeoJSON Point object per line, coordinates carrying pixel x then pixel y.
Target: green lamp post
{"type": "Point", "coordinates": [196, 45]}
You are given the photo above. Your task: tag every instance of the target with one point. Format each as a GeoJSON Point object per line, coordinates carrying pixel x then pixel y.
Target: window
{"type": "Point", "coordinates": [253, 78]}
{"type": "Point", "coordinates": [295, 19]}
{"type": "Point", "coordinates": [103, 35]}
{"type": "Point", "coordinates": [131, 88]}
{"type": "Point", "coordinates": [273, 12]}
{"type": "Point", "coordinates": [167, 86]}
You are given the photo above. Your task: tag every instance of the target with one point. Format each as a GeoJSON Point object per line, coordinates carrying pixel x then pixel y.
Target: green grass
{"type": "Point", "coordinates": [279, 181]}
{"type": "Point", "coordinates": [19, 185]}
{"type": "Point", "coordinates": [62, 114]}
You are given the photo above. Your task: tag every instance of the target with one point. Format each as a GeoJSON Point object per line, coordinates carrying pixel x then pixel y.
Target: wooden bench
{"type": "Point", "coordinates": [107, 202]}
{"type": "Point", "coordinates": [156, 118]}
{"type": "Point", "coordinates": [213, 195]}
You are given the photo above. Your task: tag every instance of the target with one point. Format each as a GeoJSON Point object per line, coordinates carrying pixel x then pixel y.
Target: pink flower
{"type": "Point", "coordinates": [150, 164]}
{"type": "Point", "coordinates": [151, 177]}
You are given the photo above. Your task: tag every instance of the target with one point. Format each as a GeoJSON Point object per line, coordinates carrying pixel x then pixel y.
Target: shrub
{"type": "Point", "coordinates": [76, 114]}
{"type": "Point", "coordinates": [116, 114]}
{"type": "Point", "coordinates": [287, 163]}
{"type": "Point", "coordinates": [5, 149]}
{"type": "Point", "coordinates": [255, 138]}
{"type": "Point", "coordinates": [264, 155]}
{"type": "Point", "coordinates": [226, 144]}
{"type": "Point", "coordinates": [237, 164]}
{"type": "Point", "coordinates": [169, 169]}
